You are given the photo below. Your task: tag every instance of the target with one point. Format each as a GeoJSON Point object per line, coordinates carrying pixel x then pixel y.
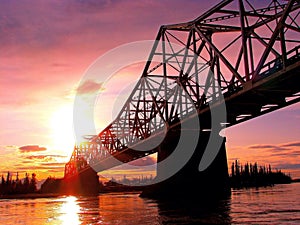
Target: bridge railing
{"type": "Point", "coordinates": [277, 64]}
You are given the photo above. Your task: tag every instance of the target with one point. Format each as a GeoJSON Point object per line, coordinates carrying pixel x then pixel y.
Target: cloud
{"type": "Point", "coordinates": [55, 170]}
{"type": "Point", "coordinates": [292, 152]}
{"type": "Point", "coordinates": [284, 156]}
{"type": "Point", "coordinates": [291, 144]}
{"type": "Point", "coordinates": [42, 166]}
{"type": "Point", "coordinates": [44, 158]}
{"type": "Point", "coordinates": [119, 173]}
{"type": "Point", "coordinates": [89, 86]}
{"type": "Point", "coordinates": [59, 65]}
{"type": "Point", "coordinates": [36, 157]}
{"type": "Point", "coordinates": [32, 148]}
{"type": "Point", "coordinates": [146, 161]}
{"type": "Point", "coordinates": [288, 166]}
{"type": "Point", "coordinates": [7, 148]}
{"type": "Point", "coordinates": [261, 146]}
{"type": "Point", "coordinates": [265, 146]}
{"type": "Point", "coordinates": [232, 159]}
{"type": "Point", "coordinates": [54, 164]}
{"type": "Point", "coordinates": [282, 149]}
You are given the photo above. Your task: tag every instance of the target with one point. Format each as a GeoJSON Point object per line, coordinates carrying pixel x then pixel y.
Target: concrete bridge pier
{"type": "Point", "coordinates": [189, 182]}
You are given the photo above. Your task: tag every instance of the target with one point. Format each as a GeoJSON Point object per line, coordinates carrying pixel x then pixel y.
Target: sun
{"type": "Point", "coordinates": [62, 130]}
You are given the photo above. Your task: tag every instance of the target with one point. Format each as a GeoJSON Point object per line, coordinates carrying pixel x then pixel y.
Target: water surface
{"type": "Point", "coordinates": [272, 205]}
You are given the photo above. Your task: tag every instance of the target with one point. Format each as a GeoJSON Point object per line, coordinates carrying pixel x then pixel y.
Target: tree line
{"type": "Point", "coordinates": [254, 175]}
{"type": "Point", "coordinates": [10, 186]}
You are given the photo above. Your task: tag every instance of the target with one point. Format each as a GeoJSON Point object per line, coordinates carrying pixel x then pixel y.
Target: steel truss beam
{"type": "Point", "coordinates": [233, 50]}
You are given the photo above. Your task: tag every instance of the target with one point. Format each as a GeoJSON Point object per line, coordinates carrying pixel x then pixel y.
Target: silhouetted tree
{"type": "Point", "coordinates": [237, 168]}
{"type": "Point", "coordinates": [232, 169]}
{"type": "Point", "coordinates": [8, 178]}
{"type": "Point", "coordinates": [32, 185]}
{"type": "Point", "coordinates": [2, 179]}
{"type": "Point", "coordinates": [2, 185]}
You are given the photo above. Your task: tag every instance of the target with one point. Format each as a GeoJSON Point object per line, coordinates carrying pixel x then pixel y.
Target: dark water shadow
{"type": "Point", "coordinates": [184, 211]}
{"type": "Point", "coordinates": [131, 209]}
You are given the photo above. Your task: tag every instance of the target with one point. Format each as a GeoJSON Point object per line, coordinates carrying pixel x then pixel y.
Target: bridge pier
{"type": "Point", "coordinates": [83, 183]}
{"type": "Point", "coordinates": [189, 182]}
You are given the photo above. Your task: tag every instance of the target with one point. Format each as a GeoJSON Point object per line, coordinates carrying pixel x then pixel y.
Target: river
{"type": "Point", "coordinates": [279, 204]}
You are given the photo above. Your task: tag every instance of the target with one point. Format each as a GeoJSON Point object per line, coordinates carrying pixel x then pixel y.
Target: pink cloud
{"type": "Point", "coordinates": [32, 148]}
{"type": "Point", "coordinates": [291, 144]}
{"type": "Point", "coordinates": [146, 161]}
{"type": "Point", "coordinates": [89, 86]}
{"type": "Point", "coordinates": [43, 158]}
{"type": "Point", "coordinates": [269, 147]}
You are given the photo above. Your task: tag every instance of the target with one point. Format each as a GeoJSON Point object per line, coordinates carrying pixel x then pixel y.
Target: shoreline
{"type": "Point", "coordinates": [55, 195]}
{"type": "Point", "coordinates": [30, 196]}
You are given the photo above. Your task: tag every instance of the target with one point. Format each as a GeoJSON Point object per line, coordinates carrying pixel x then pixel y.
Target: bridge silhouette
{"type": "Point", "coordinates": [237, 61]}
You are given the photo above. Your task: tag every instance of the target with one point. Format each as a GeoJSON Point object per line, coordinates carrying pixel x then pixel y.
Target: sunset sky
{"type": "Point", "coordinates": [47, 46]}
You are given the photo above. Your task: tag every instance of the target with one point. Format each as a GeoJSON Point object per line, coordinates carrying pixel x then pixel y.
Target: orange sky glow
{"type": "Point", "coordinates": [47, 46]}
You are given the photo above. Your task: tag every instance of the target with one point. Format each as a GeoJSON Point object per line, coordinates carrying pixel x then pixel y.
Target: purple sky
{"type": "Point", "coordinates": [46, 47]}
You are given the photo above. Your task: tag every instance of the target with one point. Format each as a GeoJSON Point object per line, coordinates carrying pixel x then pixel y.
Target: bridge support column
{"type": "Point", "coordinates": [189, 182]}
{"type": "Point", "coordinates": [85, 182]}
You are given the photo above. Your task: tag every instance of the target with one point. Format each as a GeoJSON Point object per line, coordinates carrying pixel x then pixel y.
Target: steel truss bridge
{"type": "Point", "coordinates": [241, 53]}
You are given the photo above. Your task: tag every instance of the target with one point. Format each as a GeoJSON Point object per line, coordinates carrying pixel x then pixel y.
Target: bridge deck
{"type": "Point", "coordinates": [253, 72]}
{"type": "Point", "coordinates": [269, 93]}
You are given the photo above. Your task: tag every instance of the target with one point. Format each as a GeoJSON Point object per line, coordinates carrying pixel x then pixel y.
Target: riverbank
{"type": "Point", "coordinates": [29, 196]}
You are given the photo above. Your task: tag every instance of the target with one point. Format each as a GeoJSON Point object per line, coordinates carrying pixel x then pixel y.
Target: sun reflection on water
{"type": "Point", "coordinates": [70, 211]}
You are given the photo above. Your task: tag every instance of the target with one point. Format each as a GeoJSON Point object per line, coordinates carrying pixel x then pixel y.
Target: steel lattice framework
{"type": "Point", "coordinates": [240, 53]}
